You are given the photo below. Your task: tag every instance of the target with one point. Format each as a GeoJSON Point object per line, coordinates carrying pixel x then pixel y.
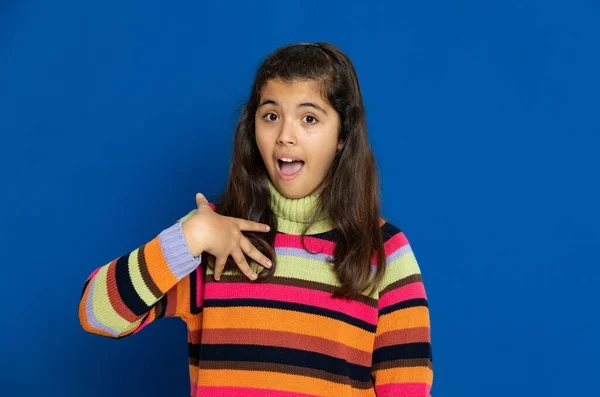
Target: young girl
{"type": "Point", "coordinates": [327, 302]}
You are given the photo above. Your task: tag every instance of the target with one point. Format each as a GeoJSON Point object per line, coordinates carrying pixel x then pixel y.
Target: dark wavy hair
{"type": "Point", "coordinates": [352, 179]}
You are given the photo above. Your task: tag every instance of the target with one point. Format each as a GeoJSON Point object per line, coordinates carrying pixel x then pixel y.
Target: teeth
{"type": "Point", "coordinates": [286, 159]}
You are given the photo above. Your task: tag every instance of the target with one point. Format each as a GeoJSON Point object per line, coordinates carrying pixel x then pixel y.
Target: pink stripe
{"type": "Point", "coordinates": [284, 293]}
{"type": "Point", "coordinates": [219, 391]}
{"type": "Point", "coordinates": [410, 291]}
{"type": "Point", "coordinates": [404, 389]}
{"type": "Point", "coordinates": [393, 244]}
{"type": "Point", "coordinates": [326, 247]}
{"type": "Point", "coordinates": [312, 243]}
{"type": "Point", "coordinates": [142, 325]}
{"type": "Point", "coordinates": [199, 287]}
{"type": "Point", "coordinates": [94, 273]}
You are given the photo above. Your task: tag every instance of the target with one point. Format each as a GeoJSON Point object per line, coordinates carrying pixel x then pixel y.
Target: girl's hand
{"type": "Point", "coordinates": [222, 236]}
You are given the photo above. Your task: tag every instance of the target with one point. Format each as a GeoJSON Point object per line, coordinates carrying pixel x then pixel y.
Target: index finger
{"type": "Point", "coordinates": [251, 226]}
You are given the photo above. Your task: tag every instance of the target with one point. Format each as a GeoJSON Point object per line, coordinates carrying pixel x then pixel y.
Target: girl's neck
{"type": "Point", "coordinates": [294, 213]}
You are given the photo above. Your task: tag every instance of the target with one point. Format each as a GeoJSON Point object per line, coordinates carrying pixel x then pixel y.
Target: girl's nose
{"type": "Point", "coordinates": [287, 133]}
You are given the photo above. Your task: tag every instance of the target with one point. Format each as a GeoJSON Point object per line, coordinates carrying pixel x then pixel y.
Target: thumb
{"type": "Point", "coordinates": [201, 200]}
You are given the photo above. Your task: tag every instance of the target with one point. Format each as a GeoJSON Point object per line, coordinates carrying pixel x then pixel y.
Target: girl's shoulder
{"type": "Point", "coordinates": [388, 229]}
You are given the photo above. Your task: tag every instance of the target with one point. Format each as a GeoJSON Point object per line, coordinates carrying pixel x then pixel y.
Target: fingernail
{"type": "Point", "coordinates": [268, 228]}
{"type": "Point", "coordinates": [269, 264]}
{"type": "Point", "coordinates": [253, 276]}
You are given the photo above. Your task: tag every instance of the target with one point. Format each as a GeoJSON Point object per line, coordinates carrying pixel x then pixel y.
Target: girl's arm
{"type": "Point", "coordinates": [402, 359]}
{"type": "Point", "coordinates": [125, 295]}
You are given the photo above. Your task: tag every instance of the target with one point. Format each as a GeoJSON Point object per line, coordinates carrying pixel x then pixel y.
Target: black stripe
{"type": "Point", "coordinates": [403, 305]}
{"type": "Point", "coordinates": [291, 306]}
{"type": "Point", "coordinates": [126, 290]}
{"type": "Point", "coordinates": [281, 355]}
{"type": "Point", "coordinates": [403, 351]}
{"type": "Point", "coordinates": [85, 286]}
{"type": "Point", "coordinates": [194, 350]}
{"type": "Point", "coordinates": [163, 306]}
{"type": "Point", "coordinates": [329, 235]}
{"type": "Point", "coordinates": [388, 231]}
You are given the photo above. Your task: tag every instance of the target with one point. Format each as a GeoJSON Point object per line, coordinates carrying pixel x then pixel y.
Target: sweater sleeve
{"type": "Point", "coordinates": [125, 295]}
{"type": "Point", "coordinates": [402, 359]}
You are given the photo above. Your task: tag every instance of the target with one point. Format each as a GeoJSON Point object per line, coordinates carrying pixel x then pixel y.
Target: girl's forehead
{"type": "Point", "coordinates": [292, 89]}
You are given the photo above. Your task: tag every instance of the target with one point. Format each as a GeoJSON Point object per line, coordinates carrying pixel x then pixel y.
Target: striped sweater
{"type": "Point", "coordinates": [286, 337]}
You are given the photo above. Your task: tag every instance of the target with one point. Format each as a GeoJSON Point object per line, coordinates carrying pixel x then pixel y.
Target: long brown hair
{"type": "Point", "coordinates": [352, 179]}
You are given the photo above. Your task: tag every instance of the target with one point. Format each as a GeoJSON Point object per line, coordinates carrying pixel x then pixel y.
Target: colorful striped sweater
{"type": "Point", "coordinates": [286, 337]}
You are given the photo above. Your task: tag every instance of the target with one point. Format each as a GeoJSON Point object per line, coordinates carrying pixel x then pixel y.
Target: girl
{"type": "Point", "coordinates": [291, 284]}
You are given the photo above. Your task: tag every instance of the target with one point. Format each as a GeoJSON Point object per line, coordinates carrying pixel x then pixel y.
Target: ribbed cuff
{"type": "Point", "coordinates": [177, 253]}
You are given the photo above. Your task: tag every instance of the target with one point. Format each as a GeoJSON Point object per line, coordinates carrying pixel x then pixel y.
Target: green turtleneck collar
{"type": "Point", "coordinates": [293, 214]}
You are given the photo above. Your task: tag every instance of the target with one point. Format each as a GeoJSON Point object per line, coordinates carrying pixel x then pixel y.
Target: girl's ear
{"type": "Point", "coordinates": [340, 145]}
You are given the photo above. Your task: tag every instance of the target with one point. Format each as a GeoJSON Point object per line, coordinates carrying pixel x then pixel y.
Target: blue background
{"type": "Point", "coordinates": [483, 117]}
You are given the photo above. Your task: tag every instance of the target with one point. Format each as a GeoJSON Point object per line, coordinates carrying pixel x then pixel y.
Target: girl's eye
{"type": "Point", "coordinates": [311, 119]}
{"type": "Point", "coordinates": [269, 116]}
{"type": "Point", "coordinates": [273, 117]}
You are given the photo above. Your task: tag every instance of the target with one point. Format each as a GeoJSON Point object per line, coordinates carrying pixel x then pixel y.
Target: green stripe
{"type": "Point", "coordinates": [301, 268]}
{"type": "Point", "coordinates": [403, 266]}
{"type": "Point", "coordinates": [105, 313]}
{"type": "Point", "coordinates": [138, 282]}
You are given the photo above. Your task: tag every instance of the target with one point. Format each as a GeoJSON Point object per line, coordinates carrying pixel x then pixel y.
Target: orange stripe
{"type": "Point", "coordinates": [157, 266]}
{"type": "Point", "coordinates": [193, 374]}
{"type": "Point", "coordinates": [178, 299]}
{"type": "Point", "coordinates": [404, 375]}
{"type": "Point", "coordinates": [288, 321]}
{"type": "Point", "coordinates": [411, 317]}
{"type": "Point", "coordinates": [194, 321]}
{"type": "Point", "coordinates": [279, 381]}
{"type": "Point", "coordinates": [183, 297]}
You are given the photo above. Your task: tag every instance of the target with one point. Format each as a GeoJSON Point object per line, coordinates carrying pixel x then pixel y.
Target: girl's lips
{"type": "Point", "coordinates": [287, 177]}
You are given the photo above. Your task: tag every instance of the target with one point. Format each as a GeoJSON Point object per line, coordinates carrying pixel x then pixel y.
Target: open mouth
{"type": "Point", "coordinates": [289, 169]}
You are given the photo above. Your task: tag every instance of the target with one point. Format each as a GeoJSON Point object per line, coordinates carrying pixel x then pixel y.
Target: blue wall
{"type": "Point", "coordinates": [483, 117]}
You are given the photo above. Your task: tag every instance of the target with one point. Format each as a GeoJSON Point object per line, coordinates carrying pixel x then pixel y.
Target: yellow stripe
{"type": "Point", "coordinates": [103, 311]}
{"type": "Point", "coordinates": [83, 318]}
{"type": "Point", "coordinates": [291, 266]}
{"type": "Point", "coordinates": [401, 267]}
{"type": "Point", "coordinates": [138, 282]}
{"type": "Point", "coordinates": [300, 268]}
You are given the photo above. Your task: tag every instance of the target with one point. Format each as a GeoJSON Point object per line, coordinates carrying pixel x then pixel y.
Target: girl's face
{"type": "Point", "coordinates": [293, 121]}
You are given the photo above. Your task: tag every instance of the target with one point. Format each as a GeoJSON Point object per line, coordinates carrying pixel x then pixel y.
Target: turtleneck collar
{"type": "Point", "coordinates": [294, 213]}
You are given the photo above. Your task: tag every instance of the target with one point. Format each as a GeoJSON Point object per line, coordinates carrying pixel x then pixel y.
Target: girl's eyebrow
{"type": "Point", "coordinates": [302, 104]}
